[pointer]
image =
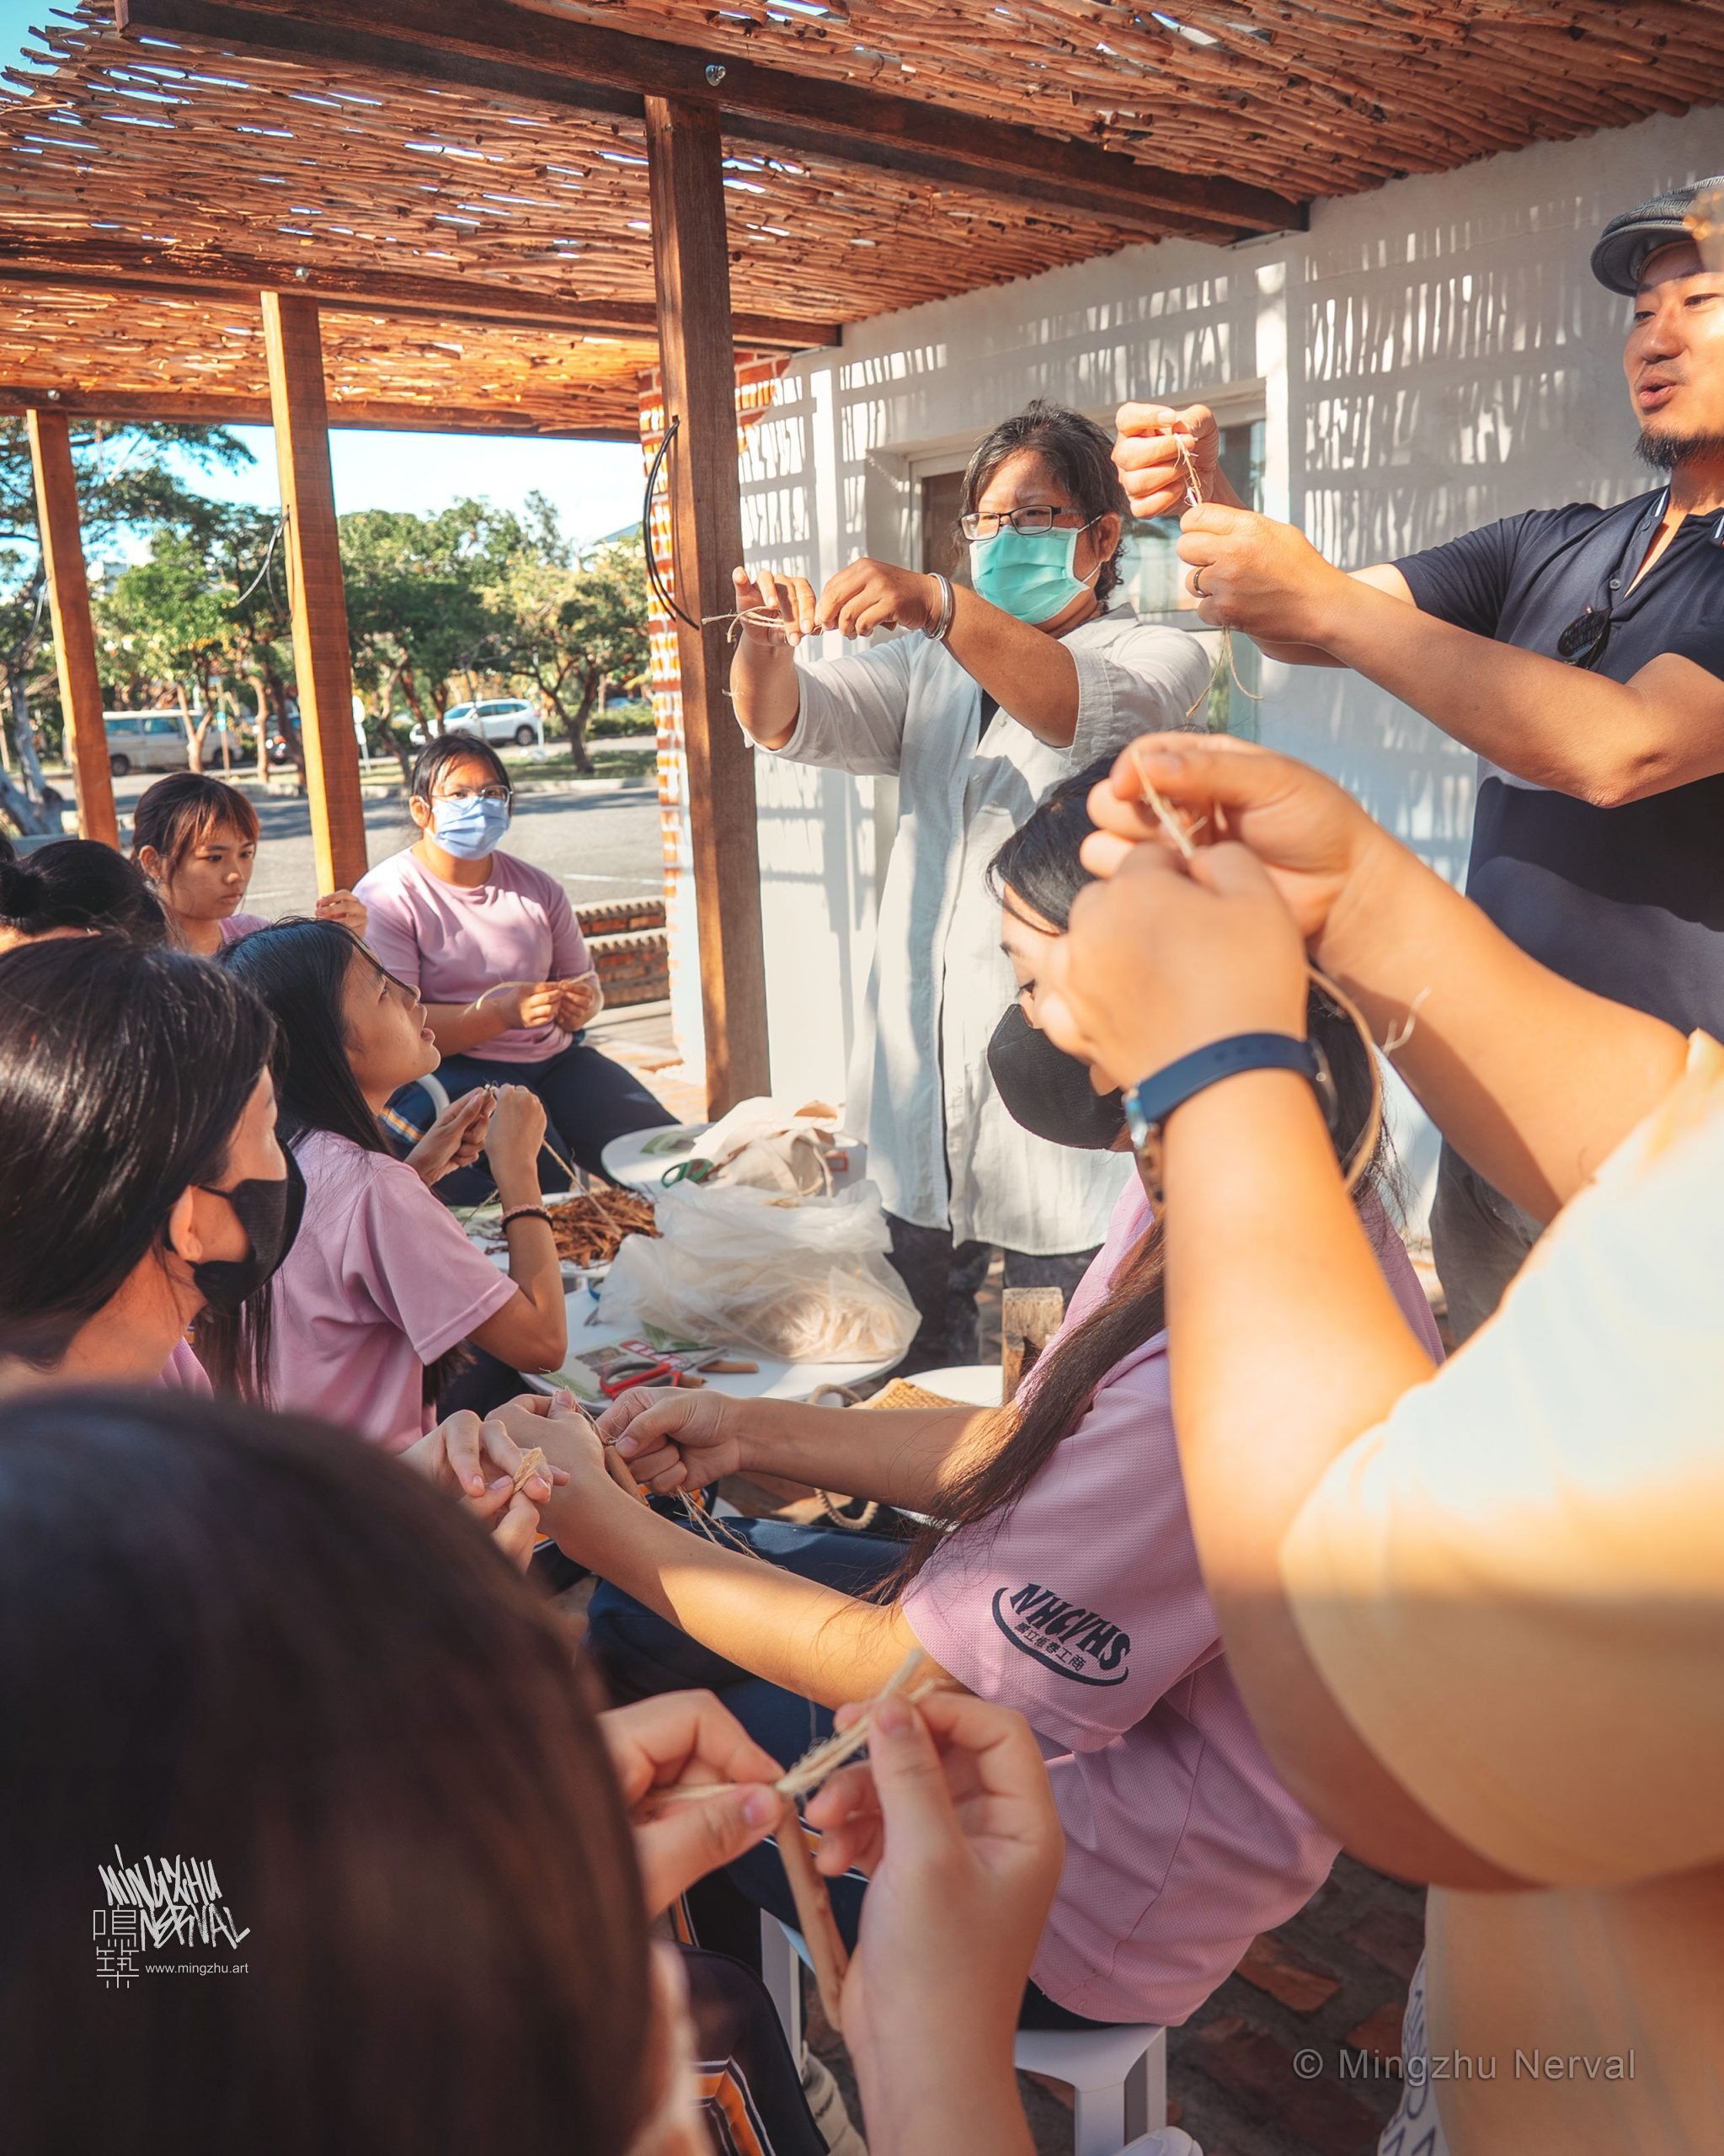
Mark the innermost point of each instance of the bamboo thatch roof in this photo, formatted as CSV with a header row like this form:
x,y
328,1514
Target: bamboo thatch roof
x,y
485,255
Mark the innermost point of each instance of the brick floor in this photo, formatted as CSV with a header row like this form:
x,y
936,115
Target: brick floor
x,y
1231,2079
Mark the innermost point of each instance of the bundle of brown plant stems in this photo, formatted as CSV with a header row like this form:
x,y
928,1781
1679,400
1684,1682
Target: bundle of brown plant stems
x,y
913,1679
589,1230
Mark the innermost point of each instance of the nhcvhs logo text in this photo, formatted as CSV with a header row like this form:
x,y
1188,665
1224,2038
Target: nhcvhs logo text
x,y
1064,1636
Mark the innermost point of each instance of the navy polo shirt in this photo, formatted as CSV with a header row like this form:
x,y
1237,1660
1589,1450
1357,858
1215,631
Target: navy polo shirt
x,y
1628,902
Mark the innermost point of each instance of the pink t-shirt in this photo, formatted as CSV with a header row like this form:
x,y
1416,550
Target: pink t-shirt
x,y
1085,1608
380,1282
451,944
184,1373
241,924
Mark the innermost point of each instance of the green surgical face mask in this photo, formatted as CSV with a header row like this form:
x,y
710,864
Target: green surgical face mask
x,y
1029,573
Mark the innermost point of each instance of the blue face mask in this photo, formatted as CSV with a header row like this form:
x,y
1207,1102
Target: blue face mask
x,y
470,829
1028,574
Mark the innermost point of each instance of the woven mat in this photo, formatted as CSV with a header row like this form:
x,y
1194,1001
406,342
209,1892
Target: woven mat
x,y
902,1393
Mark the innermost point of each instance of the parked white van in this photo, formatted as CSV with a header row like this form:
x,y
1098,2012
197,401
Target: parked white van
x,y
144,741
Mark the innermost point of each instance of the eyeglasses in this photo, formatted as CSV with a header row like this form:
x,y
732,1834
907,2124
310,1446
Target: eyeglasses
x,y
505,794
1582,643
985,523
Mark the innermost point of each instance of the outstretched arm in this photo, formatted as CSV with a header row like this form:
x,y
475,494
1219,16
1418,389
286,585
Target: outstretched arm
x,y
1602,741
808,1638
673,1440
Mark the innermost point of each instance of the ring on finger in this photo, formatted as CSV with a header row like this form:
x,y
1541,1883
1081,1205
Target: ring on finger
x,y
1197,585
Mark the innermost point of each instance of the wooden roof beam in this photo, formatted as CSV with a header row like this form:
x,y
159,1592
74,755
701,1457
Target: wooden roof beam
x,y
211,408
186,273
552,59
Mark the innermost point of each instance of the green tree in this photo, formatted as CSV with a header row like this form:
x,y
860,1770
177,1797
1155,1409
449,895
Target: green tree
x,y
572,621
128,476
201,614
417,611
162,622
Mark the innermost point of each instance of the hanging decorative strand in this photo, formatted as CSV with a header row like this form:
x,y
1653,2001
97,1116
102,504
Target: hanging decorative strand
x,y
739,618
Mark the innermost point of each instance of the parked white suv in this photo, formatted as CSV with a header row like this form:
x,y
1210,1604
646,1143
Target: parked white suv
x,y
144,741
498,719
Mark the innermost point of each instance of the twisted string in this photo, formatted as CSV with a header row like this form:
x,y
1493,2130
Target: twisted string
x,y
1181,835
1194,488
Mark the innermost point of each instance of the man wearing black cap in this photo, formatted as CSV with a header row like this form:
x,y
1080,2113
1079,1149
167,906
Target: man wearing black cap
x,y
1579,650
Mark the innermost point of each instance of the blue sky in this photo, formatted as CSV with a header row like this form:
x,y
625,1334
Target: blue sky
x,y
596,486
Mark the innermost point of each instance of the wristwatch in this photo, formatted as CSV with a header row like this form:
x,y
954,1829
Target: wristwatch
x,y
1150,1102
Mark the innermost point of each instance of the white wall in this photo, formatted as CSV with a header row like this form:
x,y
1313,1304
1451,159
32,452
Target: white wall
x,y
1432,355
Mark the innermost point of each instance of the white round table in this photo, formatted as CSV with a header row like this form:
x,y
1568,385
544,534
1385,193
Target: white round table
x,y
639,1158
773,1380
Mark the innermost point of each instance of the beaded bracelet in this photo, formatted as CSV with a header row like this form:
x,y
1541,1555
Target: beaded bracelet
x,y
527,1213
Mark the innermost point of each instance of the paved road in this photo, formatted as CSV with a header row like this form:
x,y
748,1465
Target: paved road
x,y
602,844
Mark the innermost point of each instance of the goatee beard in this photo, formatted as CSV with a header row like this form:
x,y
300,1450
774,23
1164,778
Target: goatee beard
x,y
1670,452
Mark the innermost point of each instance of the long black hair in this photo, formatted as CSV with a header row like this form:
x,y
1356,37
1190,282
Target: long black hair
x,y
245,1642
1077,453
124,1073
78,883
298,970
1038,865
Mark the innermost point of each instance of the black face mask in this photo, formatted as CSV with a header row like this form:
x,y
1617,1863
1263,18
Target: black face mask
x,y
269,1211
1049,1092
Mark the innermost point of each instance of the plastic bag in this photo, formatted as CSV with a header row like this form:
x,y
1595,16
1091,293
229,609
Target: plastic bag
x,y
802,1278
765,1144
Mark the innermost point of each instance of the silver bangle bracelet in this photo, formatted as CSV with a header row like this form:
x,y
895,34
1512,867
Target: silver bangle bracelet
x,y
948,600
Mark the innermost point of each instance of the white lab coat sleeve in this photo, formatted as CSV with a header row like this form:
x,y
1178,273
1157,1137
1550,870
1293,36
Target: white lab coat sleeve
x,y
852,711
1145,681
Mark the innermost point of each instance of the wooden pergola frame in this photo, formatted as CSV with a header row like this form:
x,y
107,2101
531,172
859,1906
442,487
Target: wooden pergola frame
x,y
685,105
1069,144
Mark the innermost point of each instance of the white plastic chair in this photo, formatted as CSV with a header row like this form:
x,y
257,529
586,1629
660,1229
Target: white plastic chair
x,y
1118,2075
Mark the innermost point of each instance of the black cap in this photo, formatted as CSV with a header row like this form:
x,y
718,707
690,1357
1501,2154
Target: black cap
x,y
1627,240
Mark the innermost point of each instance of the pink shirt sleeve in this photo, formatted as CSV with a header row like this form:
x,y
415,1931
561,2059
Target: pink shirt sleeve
x,y
568,947
1084,1603
406,1254
391,936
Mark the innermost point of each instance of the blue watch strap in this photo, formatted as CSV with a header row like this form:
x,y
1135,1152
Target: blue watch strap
x,y
1152,1100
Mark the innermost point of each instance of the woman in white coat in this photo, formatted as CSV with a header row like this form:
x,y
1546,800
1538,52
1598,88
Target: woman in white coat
x,y
1010,687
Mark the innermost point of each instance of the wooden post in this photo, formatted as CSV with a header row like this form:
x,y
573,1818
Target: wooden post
x,y
74,634
690,268
322,661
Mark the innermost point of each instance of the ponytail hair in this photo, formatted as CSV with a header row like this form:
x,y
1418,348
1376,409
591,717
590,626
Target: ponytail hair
x,y
74,883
